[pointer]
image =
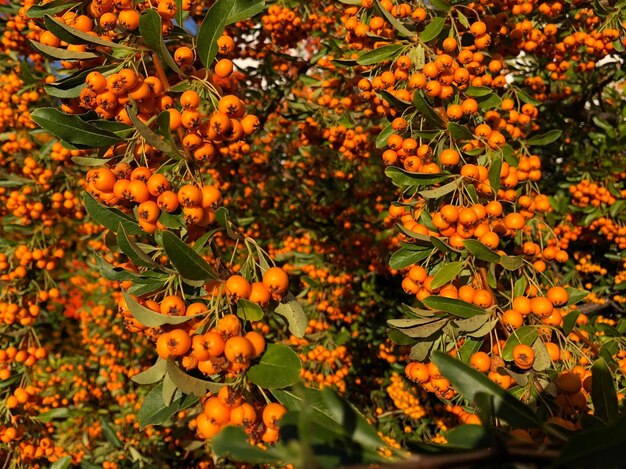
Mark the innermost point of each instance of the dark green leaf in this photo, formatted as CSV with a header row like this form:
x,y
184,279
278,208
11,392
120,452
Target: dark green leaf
x,y
432,30
232,444
446,274
110,218
384,134
470,383
74,36
350,420
109,434
65,461
480,251
459,132
62,54
569,321
575,295
133,251
150,318
511,262
425,110
153,410
153,139
478,91
458,308
248,310
244,9
73,129
468,437
524,335
378,55
405,257
50,8
402,178
398,26
211,29
545,139
279,367
494,174
603,447
150,26
603,394
188,384
187,262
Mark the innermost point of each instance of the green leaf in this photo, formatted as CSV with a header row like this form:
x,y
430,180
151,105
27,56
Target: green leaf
x,y
469,347
384,134
221,217
512,263
232,444
244,9
603,394
74,36
188,384
395,102
279,367
350,420
378,55
153,139
153,410
110,218
494,174
569,321
62,54
50,8
470,383
489,101
468,437
446,274
297,397
542,356
459,132
211,29
152,374
187,262
440,191
150,318
420,351
150,28
70,87
405,257
478,91
458,308
602,447
398,26
575,295
422,330
545,139
432,30
133,251
524,335
425,110
248,310
73,129
292,311
401,178
480,251
109,434
65,461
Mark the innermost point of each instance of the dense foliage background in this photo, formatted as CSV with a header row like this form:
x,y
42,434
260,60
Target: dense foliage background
x,y
315,234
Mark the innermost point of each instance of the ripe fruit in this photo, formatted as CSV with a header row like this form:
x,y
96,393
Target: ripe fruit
x,y
523,356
